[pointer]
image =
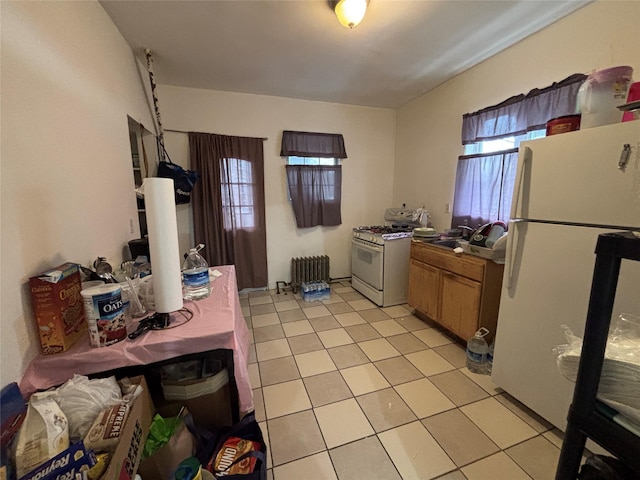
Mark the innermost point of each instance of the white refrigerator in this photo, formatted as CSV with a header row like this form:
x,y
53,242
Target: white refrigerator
x,y
569,189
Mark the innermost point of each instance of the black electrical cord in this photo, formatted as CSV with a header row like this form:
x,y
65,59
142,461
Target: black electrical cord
x,y
161,321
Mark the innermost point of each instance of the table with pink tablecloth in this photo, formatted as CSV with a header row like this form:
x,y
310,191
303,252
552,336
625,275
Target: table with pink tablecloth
x,y
217,323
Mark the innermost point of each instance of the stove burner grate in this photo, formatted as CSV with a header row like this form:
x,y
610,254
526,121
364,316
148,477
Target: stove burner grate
x,y
385,229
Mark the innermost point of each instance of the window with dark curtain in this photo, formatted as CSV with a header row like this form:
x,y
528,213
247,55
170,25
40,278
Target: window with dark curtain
x,y
485,179
315,193
228,204
315,190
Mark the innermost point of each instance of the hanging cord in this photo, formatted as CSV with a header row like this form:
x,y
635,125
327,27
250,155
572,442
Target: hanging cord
x,y
144,152
154,94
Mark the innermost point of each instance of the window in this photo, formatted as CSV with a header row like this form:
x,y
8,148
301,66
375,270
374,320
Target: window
x,y
293,160
237,186
315,193
329,182
491,146
501,144
314,176
228,204
486,172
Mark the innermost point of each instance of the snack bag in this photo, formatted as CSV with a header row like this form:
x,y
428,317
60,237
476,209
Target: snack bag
x,y
232,449
104,434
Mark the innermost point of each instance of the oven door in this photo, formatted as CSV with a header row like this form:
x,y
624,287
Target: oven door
x,y
367,262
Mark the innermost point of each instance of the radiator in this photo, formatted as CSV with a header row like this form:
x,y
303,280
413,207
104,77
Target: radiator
x,y
309,269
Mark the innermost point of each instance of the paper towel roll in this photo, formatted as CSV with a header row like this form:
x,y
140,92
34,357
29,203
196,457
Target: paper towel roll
x,y
159,200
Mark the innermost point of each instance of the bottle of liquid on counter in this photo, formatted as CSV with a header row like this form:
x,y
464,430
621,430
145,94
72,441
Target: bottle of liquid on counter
x,y
477,350
195,275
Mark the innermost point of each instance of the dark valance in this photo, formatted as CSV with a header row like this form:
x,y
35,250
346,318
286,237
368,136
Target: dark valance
x,y
307,144
523,113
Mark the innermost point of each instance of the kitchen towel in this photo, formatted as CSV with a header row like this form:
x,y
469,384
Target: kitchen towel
x,y
163,244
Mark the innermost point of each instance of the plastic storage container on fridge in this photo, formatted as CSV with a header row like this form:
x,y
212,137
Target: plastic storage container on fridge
x,y
601,94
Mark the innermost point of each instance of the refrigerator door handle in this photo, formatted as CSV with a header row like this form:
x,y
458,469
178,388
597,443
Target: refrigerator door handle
x,y
525,155
512,251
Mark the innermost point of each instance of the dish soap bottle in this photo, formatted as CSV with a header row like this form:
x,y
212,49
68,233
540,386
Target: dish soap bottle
x,y
477,350
195,275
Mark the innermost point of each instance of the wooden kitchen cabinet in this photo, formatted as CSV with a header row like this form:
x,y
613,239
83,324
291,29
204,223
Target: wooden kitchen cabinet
x,y
461,298
426,300
460,292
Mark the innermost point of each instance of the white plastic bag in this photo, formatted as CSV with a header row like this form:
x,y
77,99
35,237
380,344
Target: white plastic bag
x,y
82,400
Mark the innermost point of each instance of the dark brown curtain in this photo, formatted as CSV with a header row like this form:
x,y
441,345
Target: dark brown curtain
x,y
228,204
310,144
315,194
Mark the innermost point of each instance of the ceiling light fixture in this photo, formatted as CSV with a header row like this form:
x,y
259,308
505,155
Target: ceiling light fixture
x,y
350,12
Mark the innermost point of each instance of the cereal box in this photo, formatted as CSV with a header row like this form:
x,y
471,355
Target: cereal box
x,y
58,307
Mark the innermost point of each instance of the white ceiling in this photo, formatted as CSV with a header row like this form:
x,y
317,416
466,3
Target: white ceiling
x,y
297,49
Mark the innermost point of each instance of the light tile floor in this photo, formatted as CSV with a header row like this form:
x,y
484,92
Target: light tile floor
x,y
349,391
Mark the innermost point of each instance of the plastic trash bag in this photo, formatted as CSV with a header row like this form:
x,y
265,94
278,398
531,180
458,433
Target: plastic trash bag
x,y
82,400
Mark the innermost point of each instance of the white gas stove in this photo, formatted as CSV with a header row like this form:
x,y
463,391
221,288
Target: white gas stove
x,y
379,235
380,257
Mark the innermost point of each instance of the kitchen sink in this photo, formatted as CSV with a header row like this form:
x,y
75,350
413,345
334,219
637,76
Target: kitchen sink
x,y
446,243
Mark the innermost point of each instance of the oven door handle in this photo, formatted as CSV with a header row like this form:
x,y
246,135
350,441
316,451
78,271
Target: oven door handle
x,y
365,246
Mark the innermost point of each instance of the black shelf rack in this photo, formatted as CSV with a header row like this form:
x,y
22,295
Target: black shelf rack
x,y
585,419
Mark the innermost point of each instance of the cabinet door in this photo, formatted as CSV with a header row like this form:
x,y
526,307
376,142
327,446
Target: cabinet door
x,y
424,288
460,307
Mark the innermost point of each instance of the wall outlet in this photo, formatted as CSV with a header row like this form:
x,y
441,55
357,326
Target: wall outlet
x,y
447,207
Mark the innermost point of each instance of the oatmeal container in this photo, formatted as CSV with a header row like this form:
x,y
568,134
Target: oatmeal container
x,y
106,314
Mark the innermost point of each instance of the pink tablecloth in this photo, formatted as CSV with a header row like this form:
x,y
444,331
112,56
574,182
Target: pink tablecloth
x,y
217,323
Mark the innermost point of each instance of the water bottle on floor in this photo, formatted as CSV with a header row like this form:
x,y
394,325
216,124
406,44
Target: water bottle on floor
x,y
195,275
477,350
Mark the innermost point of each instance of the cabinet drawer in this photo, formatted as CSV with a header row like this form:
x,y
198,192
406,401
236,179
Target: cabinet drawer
x,y
462,264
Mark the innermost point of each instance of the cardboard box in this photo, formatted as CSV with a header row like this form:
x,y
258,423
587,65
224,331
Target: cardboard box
x,y
58,307
126,458
207,399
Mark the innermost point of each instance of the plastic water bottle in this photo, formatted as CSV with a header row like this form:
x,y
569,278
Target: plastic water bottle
x,y
477,350
195,275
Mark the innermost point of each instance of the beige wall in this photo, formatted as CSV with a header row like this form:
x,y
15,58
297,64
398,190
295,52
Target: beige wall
x,y
600,35
69,81
369,135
